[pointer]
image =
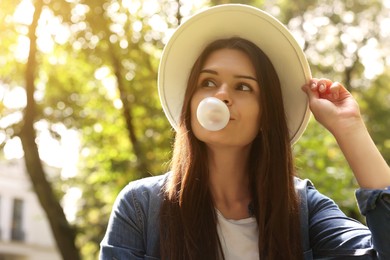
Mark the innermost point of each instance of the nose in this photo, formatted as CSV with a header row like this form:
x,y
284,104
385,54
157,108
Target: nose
x,y
224,94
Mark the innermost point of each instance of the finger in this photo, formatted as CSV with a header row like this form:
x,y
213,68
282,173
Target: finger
x,y
335,90
323,85
313,84
311,90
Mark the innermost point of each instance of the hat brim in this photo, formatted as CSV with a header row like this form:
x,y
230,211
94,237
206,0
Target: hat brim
x,y
225,21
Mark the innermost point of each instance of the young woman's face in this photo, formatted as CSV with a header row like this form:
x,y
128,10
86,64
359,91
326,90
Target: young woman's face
x,y
229,75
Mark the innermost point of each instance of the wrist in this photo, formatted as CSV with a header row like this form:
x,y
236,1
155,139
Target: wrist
x,y
352,128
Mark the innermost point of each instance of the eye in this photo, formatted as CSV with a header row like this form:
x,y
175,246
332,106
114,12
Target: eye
x,y
208,83
244,87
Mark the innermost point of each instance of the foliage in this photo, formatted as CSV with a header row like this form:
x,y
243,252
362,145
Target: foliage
x,y
97,76
319,159
375,107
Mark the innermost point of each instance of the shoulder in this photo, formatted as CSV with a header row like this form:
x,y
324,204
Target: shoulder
x,y
141,196
310,196
144,190
326,229
147,185
134,222
302,184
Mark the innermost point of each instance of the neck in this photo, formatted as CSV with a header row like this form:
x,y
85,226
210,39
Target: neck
x,y
229,181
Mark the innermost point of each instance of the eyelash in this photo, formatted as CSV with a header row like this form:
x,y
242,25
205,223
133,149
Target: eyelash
x,y
205,83
240,86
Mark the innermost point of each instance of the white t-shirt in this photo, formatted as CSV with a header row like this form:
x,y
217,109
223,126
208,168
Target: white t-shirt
x,y
239,238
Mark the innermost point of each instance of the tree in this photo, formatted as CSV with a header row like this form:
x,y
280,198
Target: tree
x,y
99,79
376,108
62,231
334,35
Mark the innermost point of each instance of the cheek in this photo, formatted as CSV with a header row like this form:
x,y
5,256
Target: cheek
x,y
249,108
253,116
258,117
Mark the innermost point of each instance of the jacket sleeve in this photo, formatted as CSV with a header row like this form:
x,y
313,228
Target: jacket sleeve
x,y
333,235
131,232
375,206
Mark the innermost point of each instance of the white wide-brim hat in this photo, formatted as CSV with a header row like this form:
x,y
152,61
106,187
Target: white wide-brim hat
x,y
230,20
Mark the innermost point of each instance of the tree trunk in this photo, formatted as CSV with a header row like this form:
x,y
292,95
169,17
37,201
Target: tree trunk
x,y
63,233
179,17
142,164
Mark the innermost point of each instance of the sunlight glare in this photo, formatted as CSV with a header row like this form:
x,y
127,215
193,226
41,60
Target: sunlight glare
x,y
158,24
24,12
371,59
22,49
62,153
132,6
13,149
70,146
49,27
150,7
3,137
102,72
11,119
69,202
45,41
80,10
118,103
104,75
15,98
137,26
385,27
2,91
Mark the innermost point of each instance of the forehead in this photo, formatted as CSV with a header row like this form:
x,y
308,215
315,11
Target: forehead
x,y
229,59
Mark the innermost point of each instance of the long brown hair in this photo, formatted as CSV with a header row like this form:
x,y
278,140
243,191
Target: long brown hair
x,y
187,218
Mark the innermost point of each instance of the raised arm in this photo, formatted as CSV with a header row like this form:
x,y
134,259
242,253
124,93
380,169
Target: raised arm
x,y
336,109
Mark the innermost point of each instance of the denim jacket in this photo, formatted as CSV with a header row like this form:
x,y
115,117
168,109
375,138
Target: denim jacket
x,y
133,228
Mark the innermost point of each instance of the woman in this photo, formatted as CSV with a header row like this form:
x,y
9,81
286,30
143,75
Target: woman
x,y
231,193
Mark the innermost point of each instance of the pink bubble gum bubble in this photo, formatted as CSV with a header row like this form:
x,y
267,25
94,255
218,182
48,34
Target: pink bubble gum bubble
x,y
213,114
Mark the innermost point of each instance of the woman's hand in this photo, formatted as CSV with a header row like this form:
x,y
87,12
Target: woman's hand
x,y
333,106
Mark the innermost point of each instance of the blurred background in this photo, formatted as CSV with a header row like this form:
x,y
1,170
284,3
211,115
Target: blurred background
x,y
80,115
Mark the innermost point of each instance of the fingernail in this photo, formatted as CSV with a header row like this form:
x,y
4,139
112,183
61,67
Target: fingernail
x,y
321,87
313,85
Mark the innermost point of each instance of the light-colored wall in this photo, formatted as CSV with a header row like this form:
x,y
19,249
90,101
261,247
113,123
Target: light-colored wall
x,y
38,240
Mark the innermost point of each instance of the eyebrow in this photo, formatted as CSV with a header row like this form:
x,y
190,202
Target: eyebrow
x,y
235,76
